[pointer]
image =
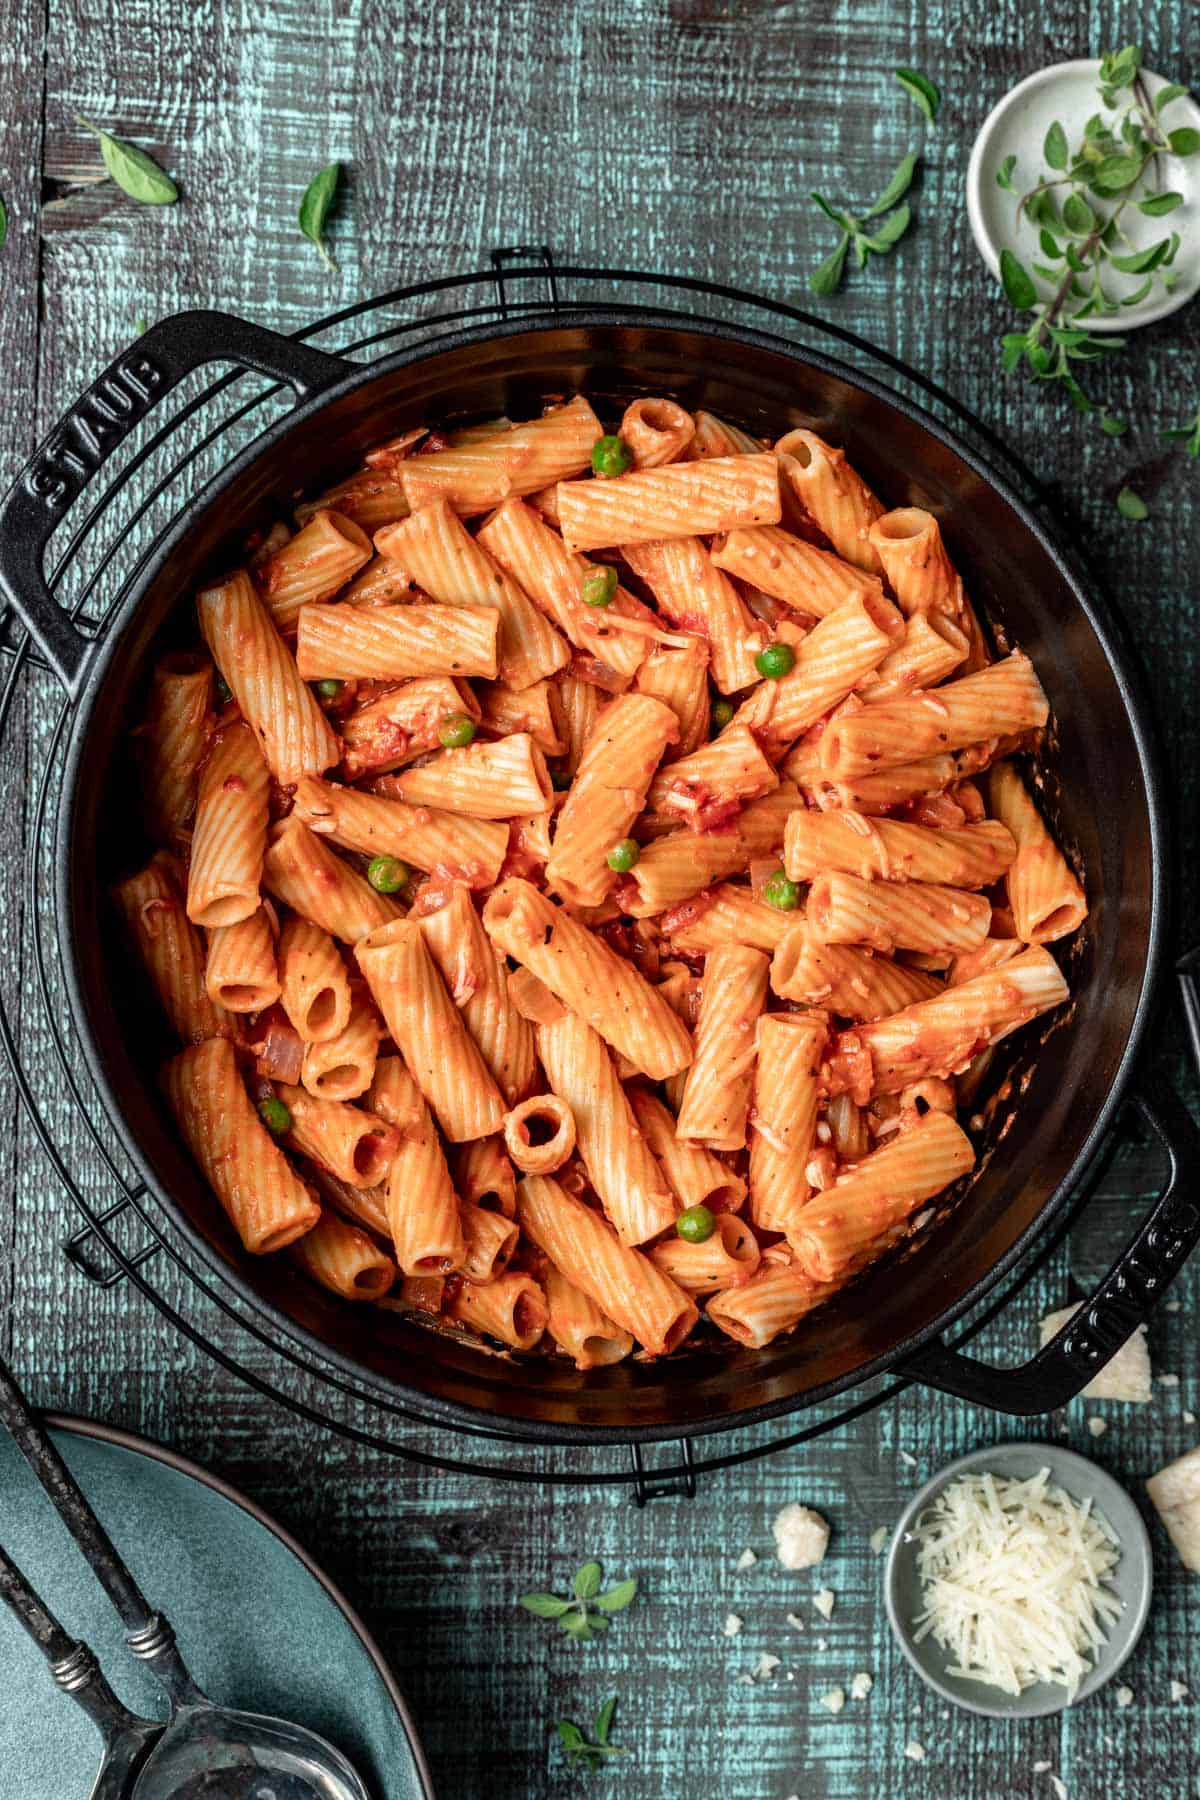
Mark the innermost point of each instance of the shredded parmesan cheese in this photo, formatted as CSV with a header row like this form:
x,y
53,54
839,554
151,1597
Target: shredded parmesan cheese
x,y
746,1560
1013,1580
915,1752
861,1685
823,1600
877,1540
834,1700
1125,1376
732,1625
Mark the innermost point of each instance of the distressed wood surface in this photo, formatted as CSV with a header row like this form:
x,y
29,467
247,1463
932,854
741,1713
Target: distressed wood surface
x,y
683,136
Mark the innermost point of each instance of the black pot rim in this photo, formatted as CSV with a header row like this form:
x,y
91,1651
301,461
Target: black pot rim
x,y
395,1394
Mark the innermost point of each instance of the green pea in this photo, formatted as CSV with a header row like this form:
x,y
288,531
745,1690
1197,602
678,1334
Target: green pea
x,y
610,456
456,730
722,712
775,660
695,1225
386,874
623,856
329,689
275,1116
599,586
781,893
222,692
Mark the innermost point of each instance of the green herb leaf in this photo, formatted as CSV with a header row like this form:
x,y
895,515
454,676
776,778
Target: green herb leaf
x,y
891,229
619,1597
1139,293
604,1719
1004,174
1049,243
571,1735
1012,349
1040,360
1055,148
834,212
1188,435
900,183
314,208
1116,173
1131,505
922,91
587,1581
1169,258
3,223
1017,281
1185,141
1077,215
828,278
1158,204
135,173
1119,67
1174,90
862,249
544,1606
140,326
1112,427
1141,261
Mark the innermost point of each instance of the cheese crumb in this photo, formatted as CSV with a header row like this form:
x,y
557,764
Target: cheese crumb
x,y
766,1665
732,1625
822,1644
834,1700
795,1621
823,1600
746,1560
915,1752
801,1536
1041,1768
909,1461
1173,1306
1124,1696
1168,1381
861,1685
1125,1376
1097,1426
1189,1417
1059,1786
745,1679
1178,1691
877,1540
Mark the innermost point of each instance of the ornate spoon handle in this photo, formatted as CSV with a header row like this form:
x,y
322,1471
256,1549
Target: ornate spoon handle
x,y
147,1632
72,1663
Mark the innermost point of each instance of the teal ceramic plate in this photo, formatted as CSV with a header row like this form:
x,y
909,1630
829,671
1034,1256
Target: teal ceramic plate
x,y
260,1625
1131,1579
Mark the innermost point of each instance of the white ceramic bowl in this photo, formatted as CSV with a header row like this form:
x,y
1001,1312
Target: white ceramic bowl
x,y
1018,125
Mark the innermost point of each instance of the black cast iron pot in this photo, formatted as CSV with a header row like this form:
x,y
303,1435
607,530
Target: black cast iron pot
x,y
1067,1079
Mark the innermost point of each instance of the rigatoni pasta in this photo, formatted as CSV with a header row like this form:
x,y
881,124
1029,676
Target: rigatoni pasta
x,y
654,836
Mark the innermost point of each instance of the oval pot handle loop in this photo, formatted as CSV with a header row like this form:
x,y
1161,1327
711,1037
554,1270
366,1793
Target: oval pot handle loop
x,y
86,436
1123,1301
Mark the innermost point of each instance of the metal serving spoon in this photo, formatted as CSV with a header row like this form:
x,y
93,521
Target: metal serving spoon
x,y
204,1751
127,1739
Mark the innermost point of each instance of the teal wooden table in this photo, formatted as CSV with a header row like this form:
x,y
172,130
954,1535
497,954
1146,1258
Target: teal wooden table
x,y
683,136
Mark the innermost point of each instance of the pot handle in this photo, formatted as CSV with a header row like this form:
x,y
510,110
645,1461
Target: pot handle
x,y
86,436
1123,1301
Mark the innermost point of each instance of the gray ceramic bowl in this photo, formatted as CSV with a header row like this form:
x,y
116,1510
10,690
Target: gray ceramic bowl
x,y
1131,1579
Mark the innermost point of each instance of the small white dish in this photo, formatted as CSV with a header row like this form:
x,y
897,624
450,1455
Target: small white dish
x,y
1131,1579
1070,92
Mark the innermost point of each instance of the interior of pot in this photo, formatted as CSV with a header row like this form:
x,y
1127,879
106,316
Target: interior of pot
x,y
1095,788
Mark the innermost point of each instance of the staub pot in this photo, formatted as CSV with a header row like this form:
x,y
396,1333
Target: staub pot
x,y
1058,1087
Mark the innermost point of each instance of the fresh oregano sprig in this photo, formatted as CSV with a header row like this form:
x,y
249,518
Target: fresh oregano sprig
x,y
591,1754
1078,208
857,231
587,1611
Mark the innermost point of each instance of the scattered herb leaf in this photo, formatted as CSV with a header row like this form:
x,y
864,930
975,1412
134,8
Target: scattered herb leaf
x,y
857,231
1017,281
1188,435
1055,148
585,1613
314,208
135,173
591,1754
827,279
1004,174
1131,505
922,91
